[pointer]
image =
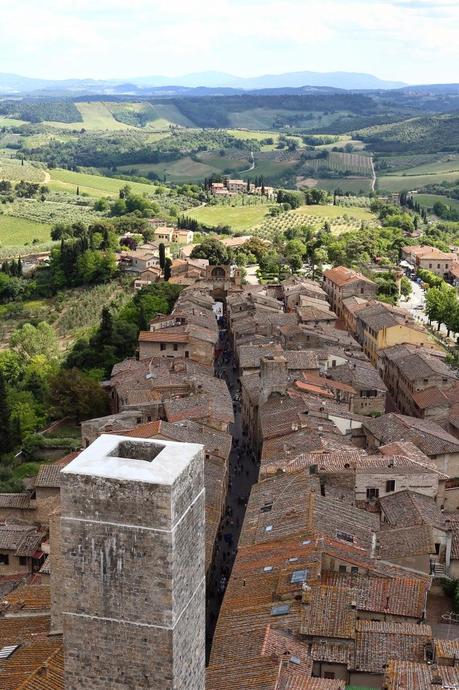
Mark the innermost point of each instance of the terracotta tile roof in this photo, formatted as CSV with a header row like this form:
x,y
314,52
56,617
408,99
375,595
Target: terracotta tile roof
x,y
377,642
418,363
21,501
26,598
397,596
281,644
341,652
309,313
330,613
49,675
361,376
433,253
407,508
326,383
24,540
29,657
404,675
355,556
400,542
164,335
447,649
350,461
301,359
49,475
16,629
340,275
428,436
263,673
147,430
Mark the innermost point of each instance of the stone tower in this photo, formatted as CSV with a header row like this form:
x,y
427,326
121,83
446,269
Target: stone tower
x,y
132,536
273,376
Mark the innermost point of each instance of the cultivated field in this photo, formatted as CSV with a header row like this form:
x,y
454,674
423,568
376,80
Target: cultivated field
x,y
19,231
50,212
96,116
102,116
356,185
11,169
94,185
183,170
257,219
237,217
340,220
342,162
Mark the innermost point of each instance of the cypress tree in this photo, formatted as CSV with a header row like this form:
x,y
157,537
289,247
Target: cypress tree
x,y
162,256
6,441
167,269
106,326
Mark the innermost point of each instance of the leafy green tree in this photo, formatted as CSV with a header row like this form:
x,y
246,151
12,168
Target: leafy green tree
x,y
29,341
75,394
213,250
405,287
11,367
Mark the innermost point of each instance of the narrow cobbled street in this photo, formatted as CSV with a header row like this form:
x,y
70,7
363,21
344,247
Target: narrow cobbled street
x,y
243,472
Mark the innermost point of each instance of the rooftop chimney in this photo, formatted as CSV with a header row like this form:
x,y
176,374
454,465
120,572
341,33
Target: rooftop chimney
x,y
132,535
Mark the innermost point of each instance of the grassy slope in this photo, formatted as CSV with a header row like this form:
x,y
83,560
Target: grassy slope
x,y
238,217
397,183
10,122
94,185
336,212
429,200
17,231
245,217
98,115
183,170
11,169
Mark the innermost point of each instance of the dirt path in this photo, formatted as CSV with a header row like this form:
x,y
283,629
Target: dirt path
x,y
251,167
373,173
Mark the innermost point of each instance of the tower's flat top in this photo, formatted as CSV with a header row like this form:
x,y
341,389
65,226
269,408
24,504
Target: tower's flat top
x,y
131,459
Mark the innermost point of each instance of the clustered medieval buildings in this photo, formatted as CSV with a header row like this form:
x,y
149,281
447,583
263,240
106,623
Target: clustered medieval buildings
x,y
351,413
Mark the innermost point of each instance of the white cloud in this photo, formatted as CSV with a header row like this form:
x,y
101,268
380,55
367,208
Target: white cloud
x,y
415,40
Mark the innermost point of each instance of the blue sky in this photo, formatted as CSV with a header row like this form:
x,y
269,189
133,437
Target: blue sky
x,y
416,41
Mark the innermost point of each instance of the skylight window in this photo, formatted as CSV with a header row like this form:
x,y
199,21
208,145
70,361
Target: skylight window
x,y
345,536
299,576
267,569
268,528
280,610
7,651
295,660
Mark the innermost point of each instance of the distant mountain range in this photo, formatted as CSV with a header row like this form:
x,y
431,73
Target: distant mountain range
x,y
11,84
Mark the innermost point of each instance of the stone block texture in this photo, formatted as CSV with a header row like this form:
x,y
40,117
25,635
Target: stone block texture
x,y
133,568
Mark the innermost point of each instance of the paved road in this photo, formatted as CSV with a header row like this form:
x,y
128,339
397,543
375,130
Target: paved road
x,y
243,472
415,304
251,276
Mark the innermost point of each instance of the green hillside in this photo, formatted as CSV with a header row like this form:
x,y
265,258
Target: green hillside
x,y
421,134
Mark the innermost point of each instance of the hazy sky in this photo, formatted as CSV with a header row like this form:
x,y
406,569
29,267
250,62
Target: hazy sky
x,y
415,41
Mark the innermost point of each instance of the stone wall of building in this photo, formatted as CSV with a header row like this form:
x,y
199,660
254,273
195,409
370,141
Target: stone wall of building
x,y
133,551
